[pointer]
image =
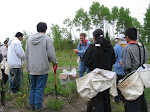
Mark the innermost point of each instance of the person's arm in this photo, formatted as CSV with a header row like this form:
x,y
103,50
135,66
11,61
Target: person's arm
x,y
26,56
1,57
87,58
51,51
19,50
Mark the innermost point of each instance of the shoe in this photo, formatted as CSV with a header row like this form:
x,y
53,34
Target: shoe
x,y
40,110
31,107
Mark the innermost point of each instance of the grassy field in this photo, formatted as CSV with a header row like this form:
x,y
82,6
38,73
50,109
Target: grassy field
x,y
68,93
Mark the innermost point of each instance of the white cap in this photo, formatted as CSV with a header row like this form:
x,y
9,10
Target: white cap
x,y
121,36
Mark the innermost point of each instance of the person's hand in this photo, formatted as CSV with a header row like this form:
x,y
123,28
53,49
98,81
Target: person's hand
x,y
55,68
121,63
76,51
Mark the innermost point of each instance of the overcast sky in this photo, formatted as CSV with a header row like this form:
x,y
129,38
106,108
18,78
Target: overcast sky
x,y
19,15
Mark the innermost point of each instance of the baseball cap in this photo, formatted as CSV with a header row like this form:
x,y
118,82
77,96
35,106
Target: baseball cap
x,y
121,36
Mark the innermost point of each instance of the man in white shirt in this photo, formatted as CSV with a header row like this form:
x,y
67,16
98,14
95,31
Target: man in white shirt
x,y
15,56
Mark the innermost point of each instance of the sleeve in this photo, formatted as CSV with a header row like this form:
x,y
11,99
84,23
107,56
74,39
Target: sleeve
x,y
116,51
51,51
26,56
126,57
81,52
1,57
146,54
113,56
88,59
19,50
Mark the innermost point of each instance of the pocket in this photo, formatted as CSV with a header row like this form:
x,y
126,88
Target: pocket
x,y
12,71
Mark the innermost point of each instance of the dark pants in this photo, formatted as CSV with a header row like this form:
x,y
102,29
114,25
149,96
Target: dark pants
x,y
138,105
119,97
5,76
100,103
15,79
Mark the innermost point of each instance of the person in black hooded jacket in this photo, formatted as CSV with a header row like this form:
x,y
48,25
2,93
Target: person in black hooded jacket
x,y
100,55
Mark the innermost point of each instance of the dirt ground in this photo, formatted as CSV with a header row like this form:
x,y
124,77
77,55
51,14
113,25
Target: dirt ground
x,y
79,106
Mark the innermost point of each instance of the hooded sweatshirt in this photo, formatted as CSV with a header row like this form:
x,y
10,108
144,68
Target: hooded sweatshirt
x,y
15,53
100,56
39,52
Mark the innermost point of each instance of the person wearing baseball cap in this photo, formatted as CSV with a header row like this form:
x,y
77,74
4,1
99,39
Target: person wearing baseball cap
x,y
117,67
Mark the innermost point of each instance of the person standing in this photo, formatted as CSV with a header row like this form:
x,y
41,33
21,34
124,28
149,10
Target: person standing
x,y
131,62
81,48
117,67
100,55
39,52
3,50
15,55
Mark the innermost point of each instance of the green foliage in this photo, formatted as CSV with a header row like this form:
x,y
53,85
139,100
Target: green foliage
x,y
147,25
124,20
107,36
82,20
54,104
25,38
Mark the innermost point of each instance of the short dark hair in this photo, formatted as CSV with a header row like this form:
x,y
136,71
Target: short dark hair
x,y
83,34
19,34
41,27
131,33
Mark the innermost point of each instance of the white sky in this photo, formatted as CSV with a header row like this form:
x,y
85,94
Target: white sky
x,y
19,15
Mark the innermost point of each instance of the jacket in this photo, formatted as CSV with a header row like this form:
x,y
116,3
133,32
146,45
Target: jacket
x,y
15,53
118,53
39,52
131,57
100,56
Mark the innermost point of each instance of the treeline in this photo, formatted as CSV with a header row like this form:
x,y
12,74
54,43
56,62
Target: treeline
x,y
114,21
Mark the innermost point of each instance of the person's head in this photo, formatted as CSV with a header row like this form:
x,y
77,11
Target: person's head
x,y
121,37
82,37
19,35
131,34
41,27
98,35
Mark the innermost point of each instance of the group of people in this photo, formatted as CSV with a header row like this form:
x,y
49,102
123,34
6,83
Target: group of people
x,y
39,52
124,56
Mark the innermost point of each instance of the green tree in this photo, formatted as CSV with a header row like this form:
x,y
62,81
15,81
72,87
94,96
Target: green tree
x,y
124,20
94,13
25,38
114,17
147,24
69,24
82,20
136,24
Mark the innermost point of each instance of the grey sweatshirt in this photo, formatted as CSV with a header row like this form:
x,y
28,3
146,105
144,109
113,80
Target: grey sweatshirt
x,y
131,57
39,52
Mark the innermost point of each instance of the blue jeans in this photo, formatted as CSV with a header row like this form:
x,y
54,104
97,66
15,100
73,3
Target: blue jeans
x,y
38,83
15,79
82,68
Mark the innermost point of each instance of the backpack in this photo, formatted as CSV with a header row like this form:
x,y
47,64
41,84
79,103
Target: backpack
x,y
85,43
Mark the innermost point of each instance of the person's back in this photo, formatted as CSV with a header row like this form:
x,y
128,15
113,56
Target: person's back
x,y
131,62
40,53
3,50
15,53
15,56
131,56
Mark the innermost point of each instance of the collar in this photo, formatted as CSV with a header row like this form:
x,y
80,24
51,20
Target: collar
x,y
132,42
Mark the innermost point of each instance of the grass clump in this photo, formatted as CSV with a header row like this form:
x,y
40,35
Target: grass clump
x,y
54,104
